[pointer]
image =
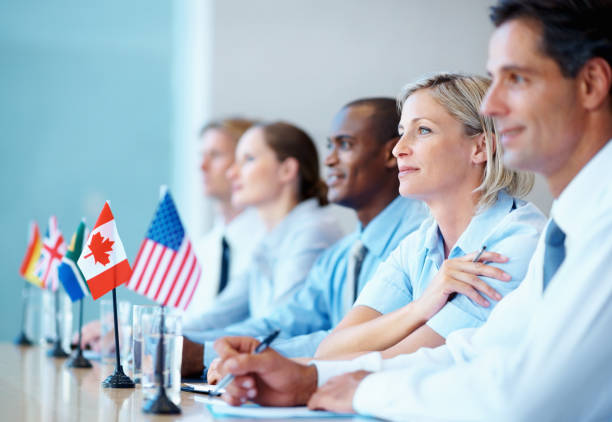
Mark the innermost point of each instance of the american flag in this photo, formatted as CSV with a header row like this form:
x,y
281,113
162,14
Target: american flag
x,y
53,249
166,269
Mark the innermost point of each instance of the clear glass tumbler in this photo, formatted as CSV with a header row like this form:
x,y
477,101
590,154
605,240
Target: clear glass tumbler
x,y
173,353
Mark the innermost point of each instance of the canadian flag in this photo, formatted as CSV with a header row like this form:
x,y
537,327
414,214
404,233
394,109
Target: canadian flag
x,y
103,261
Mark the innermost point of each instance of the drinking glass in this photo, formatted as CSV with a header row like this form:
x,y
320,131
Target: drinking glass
x,y
173,351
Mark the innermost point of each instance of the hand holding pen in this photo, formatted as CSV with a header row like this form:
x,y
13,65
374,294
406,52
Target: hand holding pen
x,y
265,377
260,348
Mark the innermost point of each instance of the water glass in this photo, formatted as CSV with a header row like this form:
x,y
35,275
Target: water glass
x,y
107,332
173,353
137,338
51,322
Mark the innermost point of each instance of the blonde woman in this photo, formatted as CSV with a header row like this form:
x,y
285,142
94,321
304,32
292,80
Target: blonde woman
x,y
448,156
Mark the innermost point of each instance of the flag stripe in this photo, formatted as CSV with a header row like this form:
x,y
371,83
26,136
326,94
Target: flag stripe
x,y
193,288
179,282
33,240
157,251
114,276
139,266
159,259
166,284
170,294
161,284
180,296
146,268
179,270
105,216
157,279
130,284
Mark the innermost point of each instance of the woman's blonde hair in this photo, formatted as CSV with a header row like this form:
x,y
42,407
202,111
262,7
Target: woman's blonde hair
x,y
461,96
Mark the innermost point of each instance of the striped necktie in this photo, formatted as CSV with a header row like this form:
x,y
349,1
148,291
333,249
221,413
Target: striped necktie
x,y
351,288
554,252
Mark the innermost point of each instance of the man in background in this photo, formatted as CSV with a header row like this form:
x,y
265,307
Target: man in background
x,y
361,175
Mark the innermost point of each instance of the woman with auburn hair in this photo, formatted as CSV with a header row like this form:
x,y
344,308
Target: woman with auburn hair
x,y
276,172
475,247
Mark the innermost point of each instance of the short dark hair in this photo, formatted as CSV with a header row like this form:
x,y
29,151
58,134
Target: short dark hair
x,y
573,31
385,116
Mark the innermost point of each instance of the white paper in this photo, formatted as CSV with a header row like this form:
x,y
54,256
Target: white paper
x,y
256,411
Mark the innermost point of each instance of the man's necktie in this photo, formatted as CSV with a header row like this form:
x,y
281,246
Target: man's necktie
x,y
225,258
355,260
554,252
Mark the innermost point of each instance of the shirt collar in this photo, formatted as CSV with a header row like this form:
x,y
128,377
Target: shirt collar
x,y
571,208
293,219
474,236
377,235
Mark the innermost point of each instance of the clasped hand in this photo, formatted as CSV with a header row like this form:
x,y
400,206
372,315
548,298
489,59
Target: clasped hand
x,y
460,275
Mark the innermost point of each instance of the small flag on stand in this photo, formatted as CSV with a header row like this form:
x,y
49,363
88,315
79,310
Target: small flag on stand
x,y
103,261
32,255
69,274
105,266
166,269
53,249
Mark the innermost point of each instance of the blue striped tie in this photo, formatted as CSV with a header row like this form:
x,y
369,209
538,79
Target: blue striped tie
x,y
554,253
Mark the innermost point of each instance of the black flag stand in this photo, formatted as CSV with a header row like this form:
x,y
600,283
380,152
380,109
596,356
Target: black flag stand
x,y
77,360
161,404
57,351
22,339
118,379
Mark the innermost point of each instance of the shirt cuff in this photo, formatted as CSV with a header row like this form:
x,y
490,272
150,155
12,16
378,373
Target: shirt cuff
x,y
452,318
366,398
327,369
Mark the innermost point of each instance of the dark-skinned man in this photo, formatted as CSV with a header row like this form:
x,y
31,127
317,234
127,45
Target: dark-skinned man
x,y
362,175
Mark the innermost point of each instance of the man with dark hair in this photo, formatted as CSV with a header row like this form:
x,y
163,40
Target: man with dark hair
x,y
361,175
544,353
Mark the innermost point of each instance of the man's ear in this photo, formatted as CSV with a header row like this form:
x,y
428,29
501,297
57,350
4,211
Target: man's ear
x,y
289,169
390,161
479,151
595,79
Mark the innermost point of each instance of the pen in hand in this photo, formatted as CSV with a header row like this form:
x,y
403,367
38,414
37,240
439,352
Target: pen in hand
x,y
479,254
229,377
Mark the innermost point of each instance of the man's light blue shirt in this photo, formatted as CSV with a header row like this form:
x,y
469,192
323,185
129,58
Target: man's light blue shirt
x,y
317,307
510,227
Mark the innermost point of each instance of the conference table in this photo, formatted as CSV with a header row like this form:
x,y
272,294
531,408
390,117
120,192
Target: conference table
x,y
34,387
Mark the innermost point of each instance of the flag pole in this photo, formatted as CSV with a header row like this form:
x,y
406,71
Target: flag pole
x,y
22,339
161,404
78,360
57,351
118,379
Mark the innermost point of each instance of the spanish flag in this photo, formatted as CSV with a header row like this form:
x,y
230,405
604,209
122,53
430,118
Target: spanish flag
x,y
31,256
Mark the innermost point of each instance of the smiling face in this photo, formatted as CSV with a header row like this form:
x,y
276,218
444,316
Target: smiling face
x,y
434,154
217,149
357,163
256,174
534,106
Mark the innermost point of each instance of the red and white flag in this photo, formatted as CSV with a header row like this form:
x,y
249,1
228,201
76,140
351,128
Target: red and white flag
x,y
53,249
166,269
103,261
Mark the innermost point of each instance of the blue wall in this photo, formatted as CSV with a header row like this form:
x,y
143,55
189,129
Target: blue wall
x,y
85,114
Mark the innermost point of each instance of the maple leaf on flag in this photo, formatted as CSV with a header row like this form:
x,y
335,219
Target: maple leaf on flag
x,y
100,248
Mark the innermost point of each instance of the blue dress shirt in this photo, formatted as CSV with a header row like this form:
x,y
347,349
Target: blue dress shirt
x,y
278,268
312,311
510,227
